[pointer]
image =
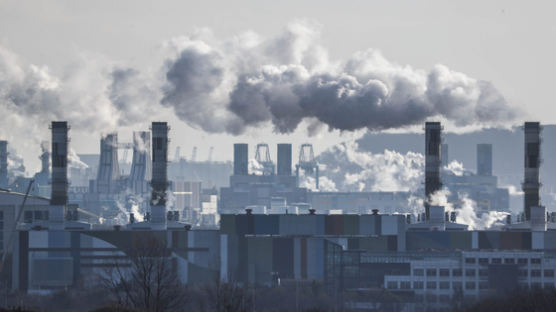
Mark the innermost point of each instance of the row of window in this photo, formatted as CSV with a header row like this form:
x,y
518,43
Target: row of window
x,y
433,285
473,272
485,261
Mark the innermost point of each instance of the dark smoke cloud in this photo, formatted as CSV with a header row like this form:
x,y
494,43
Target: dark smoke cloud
x,y
230,85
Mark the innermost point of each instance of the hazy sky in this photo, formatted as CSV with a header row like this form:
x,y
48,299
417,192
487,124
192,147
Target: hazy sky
x,y
509,43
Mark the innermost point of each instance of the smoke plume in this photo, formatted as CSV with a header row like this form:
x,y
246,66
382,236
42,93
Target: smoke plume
x,y
248,81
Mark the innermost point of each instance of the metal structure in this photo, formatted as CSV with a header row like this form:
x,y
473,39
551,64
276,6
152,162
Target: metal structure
x,y
241,162
159,182
433,141
284,159
307,162
141,163
108,169
484,159
532,158
262,156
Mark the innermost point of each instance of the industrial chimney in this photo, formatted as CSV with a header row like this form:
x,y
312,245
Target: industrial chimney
x,y
59,195
445,157
531,183
241,159
284,159
159,182
433,152
484,159
4,164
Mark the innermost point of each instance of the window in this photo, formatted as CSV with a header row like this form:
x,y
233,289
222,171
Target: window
x,y
483,260
522,273
535,260
469,285
392,285
456,272
457,285
470,272
444,272
483,272
522,261
535,285
405,285
431,285
431,272
535,273
418,272
28,216
418,285
469,260
444,285
509,261
483,285
548,273
496,260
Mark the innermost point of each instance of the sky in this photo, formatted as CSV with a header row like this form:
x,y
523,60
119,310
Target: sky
x,y
507,43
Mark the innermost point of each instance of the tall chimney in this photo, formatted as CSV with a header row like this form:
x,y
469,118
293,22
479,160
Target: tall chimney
x,y
284,159
159,182
484,159
433,140
59,197
531,182
241,159
109,168
4,164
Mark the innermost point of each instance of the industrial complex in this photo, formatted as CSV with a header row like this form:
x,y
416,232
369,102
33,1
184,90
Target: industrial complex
x,y
265,229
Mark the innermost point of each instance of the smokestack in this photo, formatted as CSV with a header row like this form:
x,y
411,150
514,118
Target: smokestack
x,y
284,159
241,159
59,195
109,168
433,140
159,182
4,164
445,156
484,159
531,183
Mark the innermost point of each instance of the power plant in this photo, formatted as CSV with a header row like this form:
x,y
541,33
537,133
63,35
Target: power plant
x,y
264,228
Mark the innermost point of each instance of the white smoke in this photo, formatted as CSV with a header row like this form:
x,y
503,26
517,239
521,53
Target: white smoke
x,y
455,168
16,166
352,169
467,212
254,167
249,81
74,161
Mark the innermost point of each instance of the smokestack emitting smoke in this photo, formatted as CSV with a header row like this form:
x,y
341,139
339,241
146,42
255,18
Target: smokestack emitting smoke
x,y
532,158
433,140
159,182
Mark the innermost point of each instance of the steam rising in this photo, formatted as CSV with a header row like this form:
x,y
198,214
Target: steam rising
x,y
248,81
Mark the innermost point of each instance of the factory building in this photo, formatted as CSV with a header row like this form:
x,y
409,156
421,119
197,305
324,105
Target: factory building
x,y
247,189
433,259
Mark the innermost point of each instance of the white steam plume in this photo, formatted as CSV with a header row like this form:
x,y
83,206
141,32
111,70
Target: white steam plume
x,y
230,85
467,213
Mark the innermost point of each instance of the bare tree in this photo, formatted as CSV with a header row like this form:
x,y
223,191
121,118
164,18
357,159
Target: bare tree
x,y
149,281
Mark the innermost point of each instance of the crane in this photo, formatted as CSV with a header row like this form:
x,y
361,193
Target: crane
x,y
11,238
